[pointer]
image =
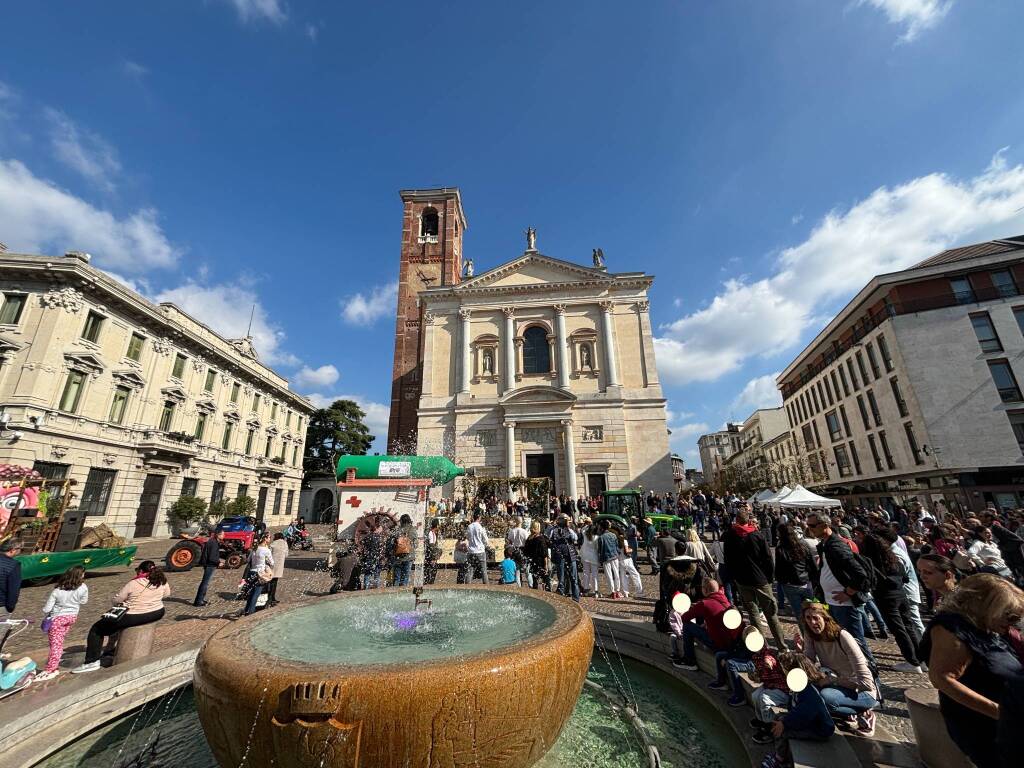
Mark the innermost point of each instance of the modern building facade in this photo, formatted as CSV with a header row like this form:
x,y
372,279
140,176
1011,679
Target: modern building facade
x,y
912,393
715,448
137,402
538,368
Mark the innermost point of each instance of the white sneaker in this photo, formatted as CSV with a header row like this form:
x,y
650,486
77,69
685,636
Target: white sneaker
x,y
91,667
906,666
47,675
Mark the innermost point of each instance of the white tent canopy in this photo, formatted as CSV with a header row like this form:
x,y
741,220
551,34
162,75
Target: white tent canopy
x,y
774,498
802,498
761,496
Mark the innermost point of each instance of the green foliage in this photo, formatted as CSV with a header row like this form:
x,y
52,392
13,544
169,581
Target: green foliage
x,y
332,432
188,510
243,506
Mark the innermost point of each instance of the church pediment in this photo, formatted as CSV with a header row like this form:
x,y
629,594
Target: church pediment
x,y
535,269
537,394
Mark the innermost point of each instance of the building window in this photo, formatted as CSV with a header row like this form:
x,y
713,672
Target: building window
x,y
217,494
986,332
853,375
288,420
72,394
55,474
821,391
93,325
179,365
1004,380
872,360
235,389
248,441
901,404
834,430
96,493
863,370
817,437
273,411
211,378
835,385
842,378
873,404
200,426
814,397
268,447
883,349
300,424
14,305
808,438
167,416
135,345
536,352
874,452
828,391
863,412
295,456
291,501
846,421
256,402
119,404
885,451
189,486
243,491
963,293
1004,283
1016,424
428,223
915,450
277,501
855,457
842,460
225,441
801,402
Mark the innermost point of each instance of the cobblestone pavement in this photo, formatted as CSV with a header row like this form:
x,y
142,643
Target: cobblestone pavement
x,y
184,623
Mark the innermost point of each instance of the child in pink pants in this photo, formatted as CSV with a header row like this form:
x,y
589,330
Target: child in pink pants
x,y
62,609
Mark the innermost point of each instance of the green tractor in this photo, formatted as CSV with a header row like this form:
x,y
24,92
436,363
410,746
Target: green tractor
x,y
628,504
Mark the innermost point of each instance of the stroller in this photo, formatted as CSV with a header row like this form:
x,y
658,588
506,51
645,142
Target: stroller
x,y
16,675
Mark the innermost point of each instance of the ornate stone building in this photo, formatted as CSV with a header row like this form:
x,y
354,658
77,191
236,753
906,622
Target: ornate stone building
x,y
543,368
139,403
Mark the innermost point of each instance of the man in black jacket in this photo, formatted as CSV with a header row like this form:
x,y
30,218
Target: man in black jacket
x,y
10,576
209,559
750,564
845,581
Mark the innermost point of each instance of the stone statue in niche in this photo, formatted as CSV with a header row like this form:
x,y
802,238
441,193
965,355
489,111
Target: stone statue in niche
x,y
488,362
467,268
586,357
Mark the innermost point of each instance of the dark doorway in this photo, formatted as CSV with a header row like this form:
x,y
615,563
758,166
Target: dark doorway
x,y
596,484
322,502
541,465
149,502
261,503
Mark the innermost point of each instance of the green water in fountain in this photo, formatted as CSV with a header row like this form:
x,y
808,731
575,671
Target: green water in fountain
x,y
384,628
689,733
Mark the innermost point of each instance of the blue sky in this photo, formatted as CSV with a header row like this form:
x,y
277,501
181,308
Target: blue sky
x,y
762,159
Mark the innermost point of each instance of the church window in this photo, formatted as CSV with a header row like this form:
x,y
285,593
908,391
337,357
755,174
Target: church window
x,y
536,352
428,223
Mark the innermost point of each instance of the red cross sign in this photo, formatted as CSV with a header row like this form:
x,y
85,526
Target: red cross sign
x,y
353,501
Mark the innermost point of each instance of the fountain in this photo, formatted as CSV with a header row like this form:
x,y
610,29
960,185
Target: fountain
x,y
482,676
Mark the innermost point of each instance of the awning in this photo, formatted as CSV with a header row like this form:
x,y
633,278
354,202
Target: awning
x,y
802,498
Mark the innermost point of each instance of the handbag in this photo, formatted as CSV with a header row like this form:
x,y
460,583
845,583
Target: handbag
x,y
265,575
115,612
46,623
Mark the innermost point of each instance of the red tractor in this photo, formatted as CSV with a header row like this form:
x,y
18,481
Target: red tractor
x,y
239,533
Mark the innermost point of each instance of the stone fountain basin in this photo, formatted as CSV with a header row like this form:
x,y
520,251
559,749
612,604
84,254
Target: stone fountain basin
x,y
502,708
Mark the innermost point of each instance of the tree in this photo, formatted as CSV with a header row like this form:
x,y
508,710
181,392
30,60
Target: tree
x,y
188,510
334,431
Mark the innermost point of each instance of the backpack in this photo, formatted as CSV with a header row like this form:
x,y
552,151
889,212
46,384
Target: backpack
x,y
402,545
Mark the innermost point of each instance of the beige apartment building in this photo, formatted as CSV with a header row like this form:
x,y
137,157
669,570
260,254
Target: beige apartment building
x,y
137,402
911,392
715,448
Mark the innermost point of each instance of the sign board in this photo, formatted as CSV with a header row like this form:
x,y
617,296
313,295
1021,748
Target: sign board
x,y
394,469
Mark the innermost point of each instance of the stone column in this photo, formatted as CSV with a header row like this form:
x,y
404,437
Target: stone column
x,y
608,335
509,348
570,457
647,366
465,370
563,351
427,384
510,448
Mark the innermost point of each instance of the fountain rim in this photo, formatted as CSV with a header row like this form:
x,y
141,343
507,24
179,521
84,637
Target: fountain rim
x,y
569,616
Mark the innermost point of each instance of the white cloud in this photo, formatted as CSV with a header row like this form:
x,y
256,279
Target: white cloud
x,y
37,216
313,31
324,376
377,415
134,70
915,16
82,151
260,10
684,433
891,229
366,309
226,309
760,392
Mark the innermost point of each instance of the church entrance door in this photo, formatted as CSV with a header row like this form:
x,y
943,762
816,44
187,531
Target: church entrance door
x,y
596,484
541,465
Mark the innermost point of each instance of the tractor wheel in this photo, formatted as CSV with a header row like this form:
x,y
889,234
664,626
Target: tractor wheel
x,y
182,556
235,560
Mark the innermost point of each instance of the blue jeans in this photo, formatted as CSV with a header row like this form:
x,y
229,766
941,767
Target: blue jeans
x,y
250,606
851,618
401,573
692,632
568,580
371,578
208,572
733,668
795,596
870,609
726,579
846,702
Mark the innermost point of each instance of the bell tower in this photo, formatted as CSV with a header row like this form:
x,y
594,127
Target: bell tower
x,y
432,227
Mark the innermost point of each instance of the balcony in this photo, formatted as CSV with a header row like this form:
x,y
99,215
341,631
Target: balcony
x,y
173,444
270,467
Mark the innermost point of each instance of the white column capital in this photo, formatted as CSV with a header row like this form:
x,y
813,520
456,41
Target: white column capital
x,y
567,423
643,306
508,424
606,306
559,309
465,313
508,311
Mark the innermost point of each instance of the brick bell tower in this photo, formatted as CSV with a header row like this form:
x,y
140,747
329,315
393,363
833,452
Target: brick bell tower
x,y
432,227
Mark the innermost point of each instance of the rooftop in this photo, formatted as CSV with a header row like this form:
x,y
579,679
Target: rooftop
x,y
987,248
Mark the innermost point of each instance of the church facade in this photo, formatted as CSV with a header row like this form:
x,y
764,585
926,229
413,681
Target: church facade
x,y
538,367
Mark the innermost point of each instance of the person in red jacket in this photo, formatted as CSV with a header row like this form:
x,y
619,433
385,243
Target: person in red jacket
x,y
712,632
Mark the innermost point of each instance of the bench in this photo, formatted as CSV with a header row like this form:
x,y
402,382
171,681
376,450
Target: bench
x,y
936,748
